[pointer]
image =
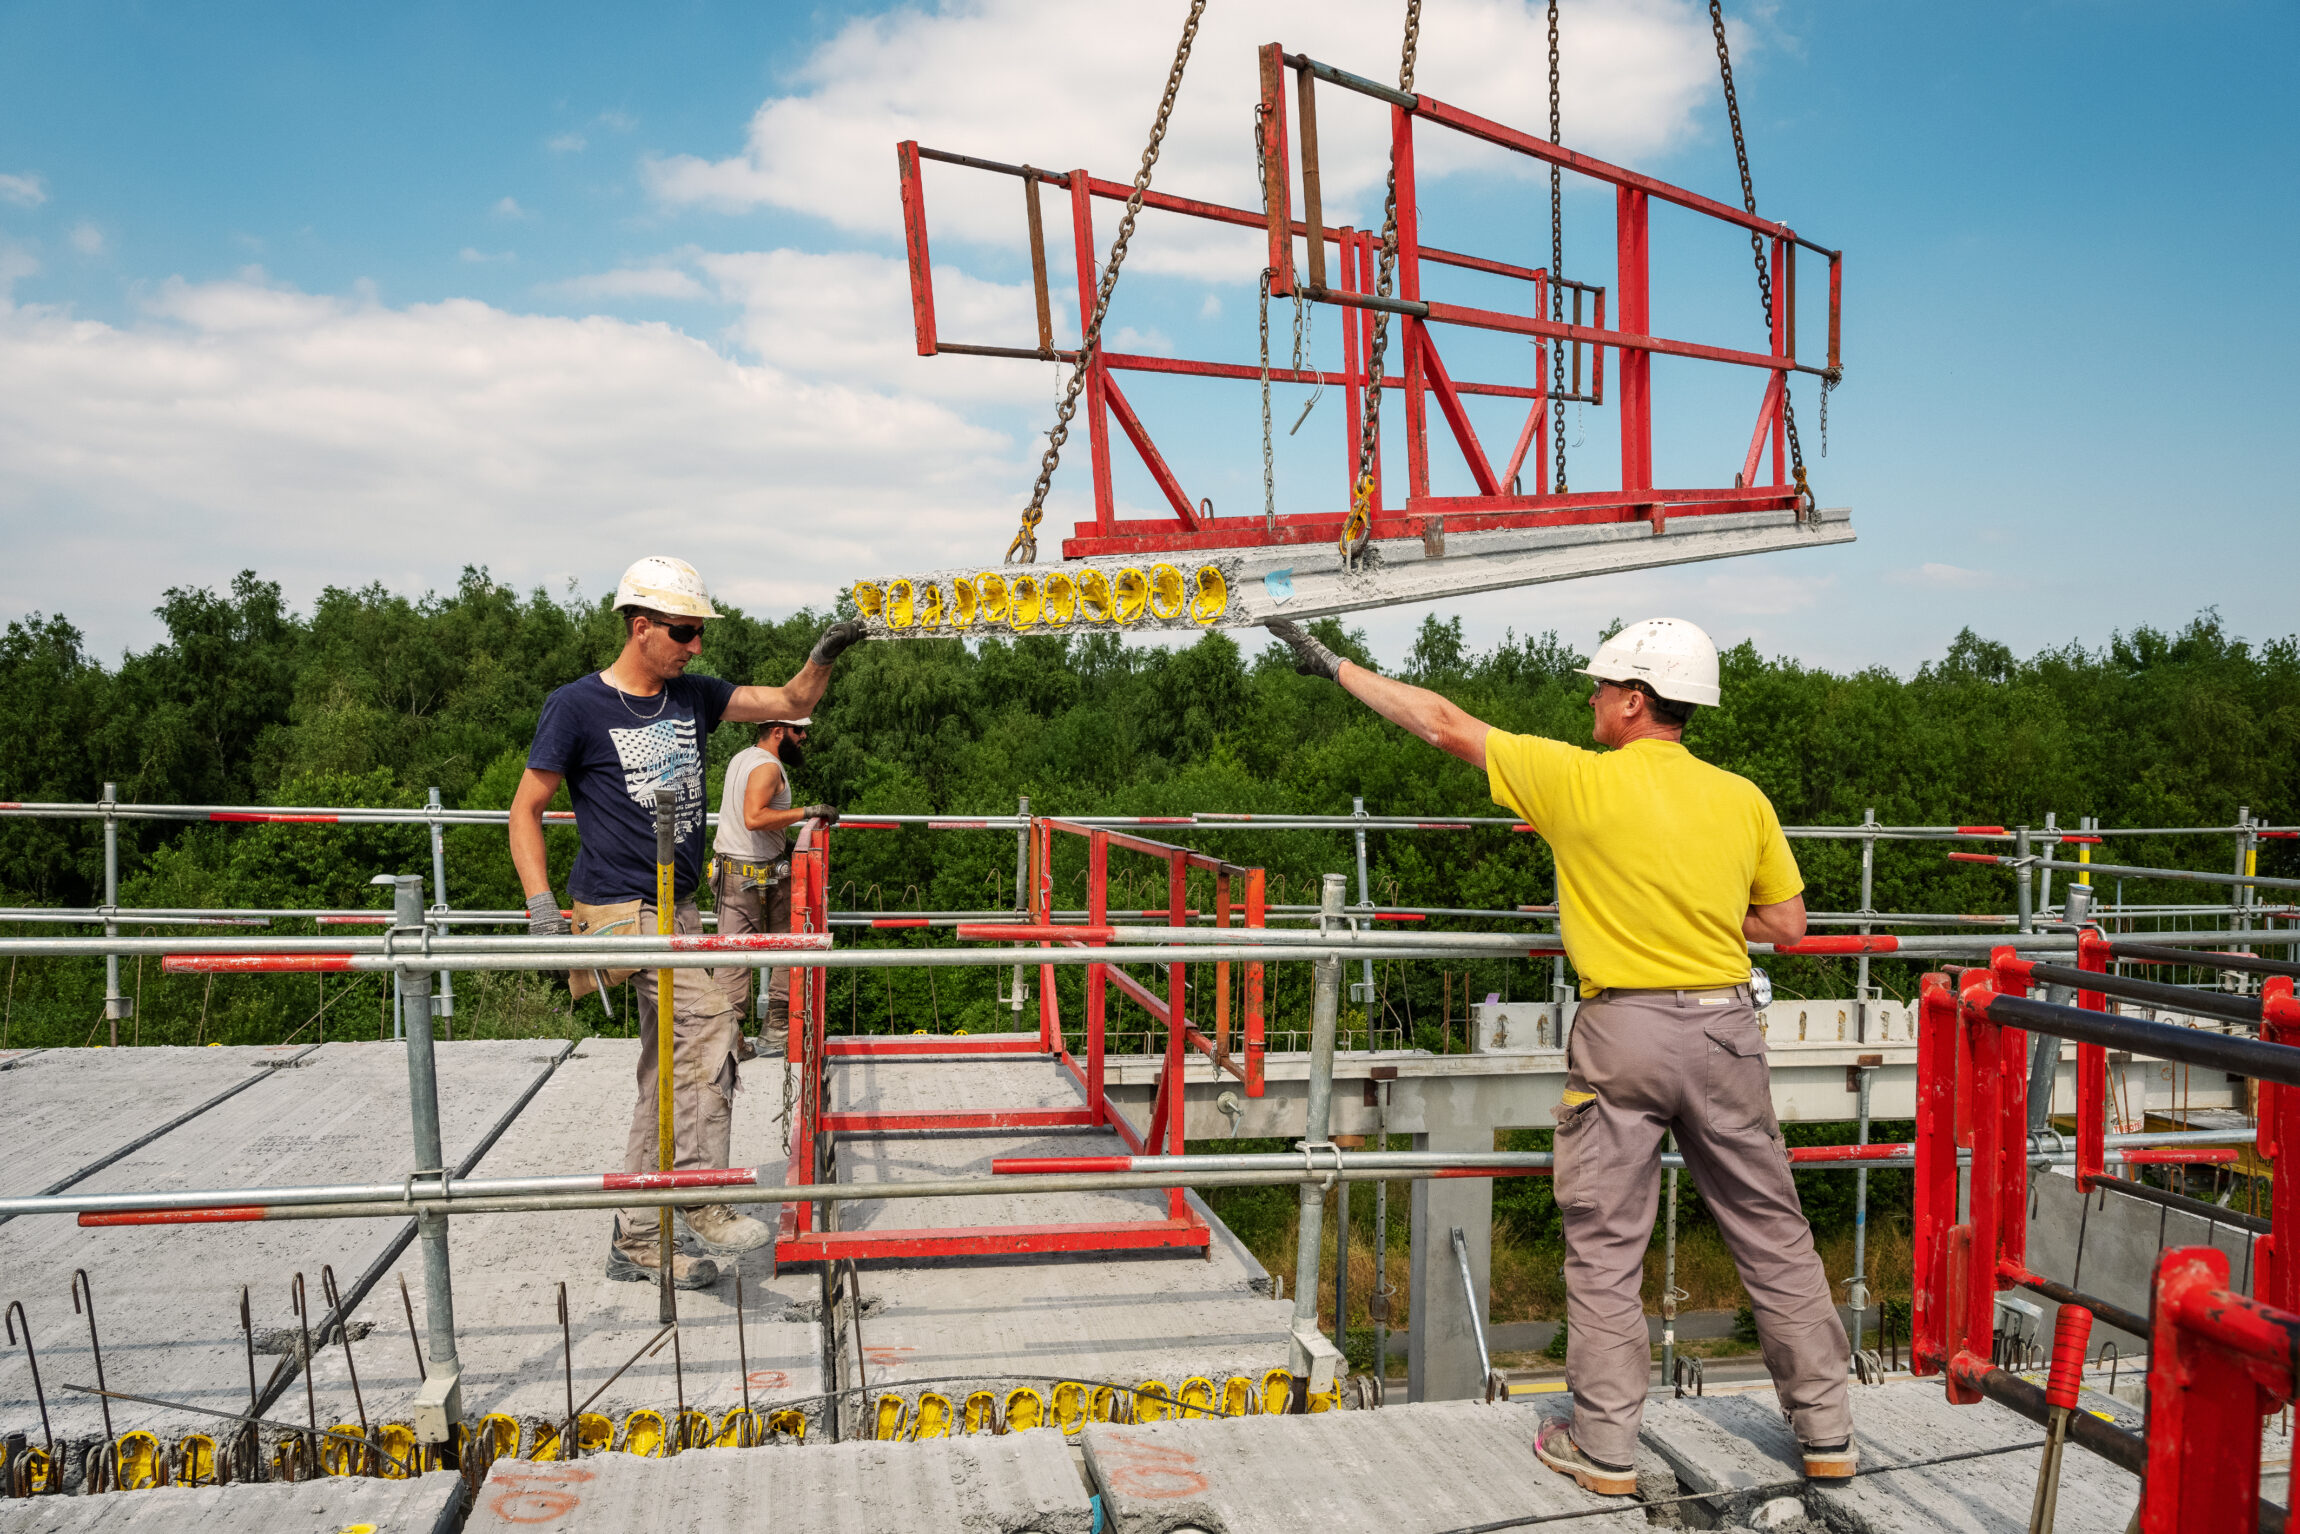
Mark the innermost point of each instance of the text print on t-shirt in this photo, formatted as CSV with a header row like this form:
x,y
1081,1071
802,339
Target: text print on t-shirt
x,y
663,755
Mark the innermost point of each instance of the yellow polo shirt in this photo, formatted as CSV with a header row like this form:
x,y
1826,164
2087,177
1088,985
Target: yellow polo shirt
x,y
1659,856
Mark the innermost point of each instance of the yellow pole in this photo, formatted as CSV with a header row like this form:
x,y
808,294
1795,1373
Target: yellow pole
x,y
666,820
2084,855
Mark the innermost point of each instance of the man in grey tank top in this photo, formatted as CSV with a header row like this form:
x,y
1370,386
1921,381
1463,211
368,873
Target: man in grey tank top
x,y
750,879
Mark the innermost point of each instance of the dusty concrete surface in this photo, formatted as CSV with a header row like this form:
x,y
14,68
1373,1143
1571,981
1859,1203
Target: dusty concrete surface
x,y
427,1505
507,1268
1400,1470
1020,1484
61,1109
1741,1446
1004,1323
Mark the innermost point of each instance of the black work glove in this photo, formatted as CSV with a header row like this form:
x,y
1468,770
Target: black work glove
x,y
543,918
836,639
828,814
1310,657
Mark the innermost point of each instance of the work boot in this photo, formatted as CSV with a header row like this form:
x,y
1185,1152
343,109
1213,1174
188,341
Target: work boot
x,y
775,1031
1553,1443
686,1272
1830,1461
744,1049
722,1230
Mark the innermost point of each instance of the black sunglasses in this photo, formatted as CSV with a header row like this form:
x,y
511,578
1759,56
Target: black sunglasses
x,y
680,633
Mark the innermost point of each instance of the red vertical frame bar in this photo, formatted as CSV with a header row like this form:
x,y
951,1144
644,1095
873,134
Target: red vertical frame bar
x,y
1936,1179
1983,1041
1097,408
1781,324
1177,1020
1049,1001
1634,262
2012,1159
803,1051
2279,1279
1255,917
1410,330
1222,971
1277,171
2206,1398
2091,1072
914,241
1097,988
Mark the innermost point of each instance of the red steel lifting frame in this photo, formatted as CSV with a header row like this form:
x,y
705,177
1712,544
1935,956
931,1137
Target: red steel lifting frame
x,y
810,1049
1418,372
2218,1361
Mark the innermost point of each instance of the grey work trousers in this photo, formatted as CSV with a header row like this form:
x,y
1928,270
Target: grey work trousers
x,y
704,1028
749,905
1692,1062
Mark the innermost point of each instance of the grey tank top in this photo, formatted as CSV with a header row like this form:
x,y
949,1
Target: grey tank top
x,y
735,839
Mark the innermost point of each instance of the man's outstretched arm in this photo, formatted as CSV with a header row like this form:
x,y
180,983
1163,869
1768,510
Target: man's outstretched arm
x,y
1434,718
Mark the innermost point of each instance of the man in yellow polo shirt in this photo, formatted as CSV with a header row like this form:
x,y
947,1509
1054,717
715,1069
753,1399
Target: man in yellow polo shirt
x,y
1667,869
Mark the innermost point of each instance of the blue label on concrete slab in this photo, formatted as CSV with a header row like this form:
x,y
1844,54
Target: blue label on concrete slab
x,y
1279,584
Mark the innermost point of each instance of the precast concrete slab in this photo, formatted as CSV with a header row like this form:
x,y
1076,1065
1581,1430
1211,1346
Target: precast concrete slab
x,y
507,1269
1926,1466
167,1297
1400,1470
1023,1483
429,1504
962,1324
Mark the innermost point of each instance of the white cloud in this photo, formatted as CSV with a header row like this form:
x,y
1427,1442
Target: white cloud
x,y
566,143
632,282
326,440
26,191
1210,308
478,257
509,208
16,261
620,121
1637,69
87,239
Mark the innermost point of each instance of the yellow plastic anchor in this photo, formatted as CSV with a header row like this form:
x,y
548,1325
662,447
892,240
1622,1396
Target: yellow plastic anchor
x,y
1025,603
1329,1400
899,596
740,1428
1061,599
1133,589
990,596
869,600
36,1468
981,1413
340,1457
1169,594
1095,603
645,1433
1069,1407
694,1429
893,1412
1197,1399
1277,1392
1025,1409
498,1438
932,1420
1153,1402
1238,1395
1213,598
397,1440
1103,1405
141,1463
962,604
790,1422
930,606
195,1460
543,1444
593,1432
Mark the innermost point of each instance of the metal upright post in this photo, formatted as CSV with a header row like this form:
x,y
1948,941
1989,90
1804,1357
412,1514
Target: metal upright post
x,y
116,1006
1378,1303
666,1047
1021,890
2247,865
1857,1291
2023,890
445,1005
439,1404
1325,1008
1363,991
1861,996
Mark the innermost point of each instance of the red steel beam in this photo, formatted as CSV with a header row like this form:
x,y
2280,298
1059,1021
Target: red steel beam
x,y
1152,459
1457,417
933,1044
996,1240
987,1118
914,242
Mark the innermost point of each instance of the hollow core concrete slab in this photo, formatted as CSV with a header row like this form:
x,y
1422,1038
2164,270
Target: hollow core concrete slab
x,y
427,1505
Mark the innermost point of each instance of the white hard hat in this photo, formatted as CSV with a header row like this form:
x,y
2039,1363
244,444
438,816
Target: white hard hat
x,y
666,586
797,724
1674,658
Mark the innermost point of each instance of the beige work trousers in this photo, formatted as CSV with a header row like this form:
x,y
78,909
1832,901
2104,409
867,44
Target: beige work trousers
x,y
746,905
704,1028
1692,1062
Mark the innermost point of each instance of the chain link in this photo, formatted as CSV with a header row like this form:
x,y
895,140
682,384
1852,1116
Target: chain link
x,y
1757,250
1556,257
1269,472
1357,529
1024,548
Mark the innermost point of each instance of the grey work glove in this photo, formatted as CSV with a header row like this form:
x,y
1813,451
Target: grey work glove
x,y
828,814
543,918
836,639
1310,657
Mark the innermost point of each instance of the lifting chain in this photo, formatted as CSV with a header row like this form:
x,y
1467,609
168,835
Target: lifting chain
x,y
1556,257
1024,548
1757,253
1357,529
1262,179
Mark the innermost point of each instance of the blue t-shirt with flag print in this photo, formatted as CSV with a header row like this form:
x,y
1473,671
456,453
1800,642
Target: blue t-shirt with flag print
x,y
615,750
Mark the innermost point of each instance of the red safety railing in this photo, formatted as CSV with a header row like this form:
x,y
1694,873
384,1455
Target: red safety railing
x,y
1553,320
2219,1361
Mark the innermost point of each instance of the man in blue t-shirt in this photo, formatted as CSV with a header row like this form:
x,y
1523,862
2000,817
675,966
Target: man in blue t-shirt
x,y
615,738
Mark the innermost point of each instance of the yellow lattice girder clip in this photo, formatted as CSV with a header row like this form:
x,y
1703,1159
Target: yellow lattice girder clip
x,y
593,1432
195,1460
1153,1402
1169,593
645,1433
1069,1406
990,593
543,1444
1237,1396
887,1424
141,1462
963,602
869,600
1133,590
1277,1392
497,1438
1102,1406
1197,1399
397,1440
981,1414
740,1428
932,1419
1025,1409
790,1422
1095,602
338,1456
1212,598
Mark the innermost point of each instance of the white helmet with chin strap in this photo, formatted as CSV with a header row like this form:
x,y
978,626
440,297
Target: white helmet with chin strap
x,y
1674,658
665,585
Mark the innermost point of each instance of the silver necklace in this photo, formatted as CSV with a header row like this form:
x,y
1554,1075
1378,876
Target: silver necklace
x,y
626,697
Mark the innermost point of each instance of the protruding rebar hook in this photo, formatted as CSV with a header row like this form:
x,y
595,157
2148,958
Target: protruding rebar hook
x,y
16,1313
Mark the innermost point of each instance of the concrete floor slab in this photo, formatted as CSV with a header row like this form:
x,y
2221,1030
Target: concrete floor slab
x,y
168,1298
1740,1445
1020,1484
61,1109
1002,1323
1401,1470
427,1505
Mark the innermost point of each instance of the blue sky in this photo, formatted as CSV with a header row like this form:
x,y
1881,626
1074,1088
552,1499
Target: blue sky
x,y
352,296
